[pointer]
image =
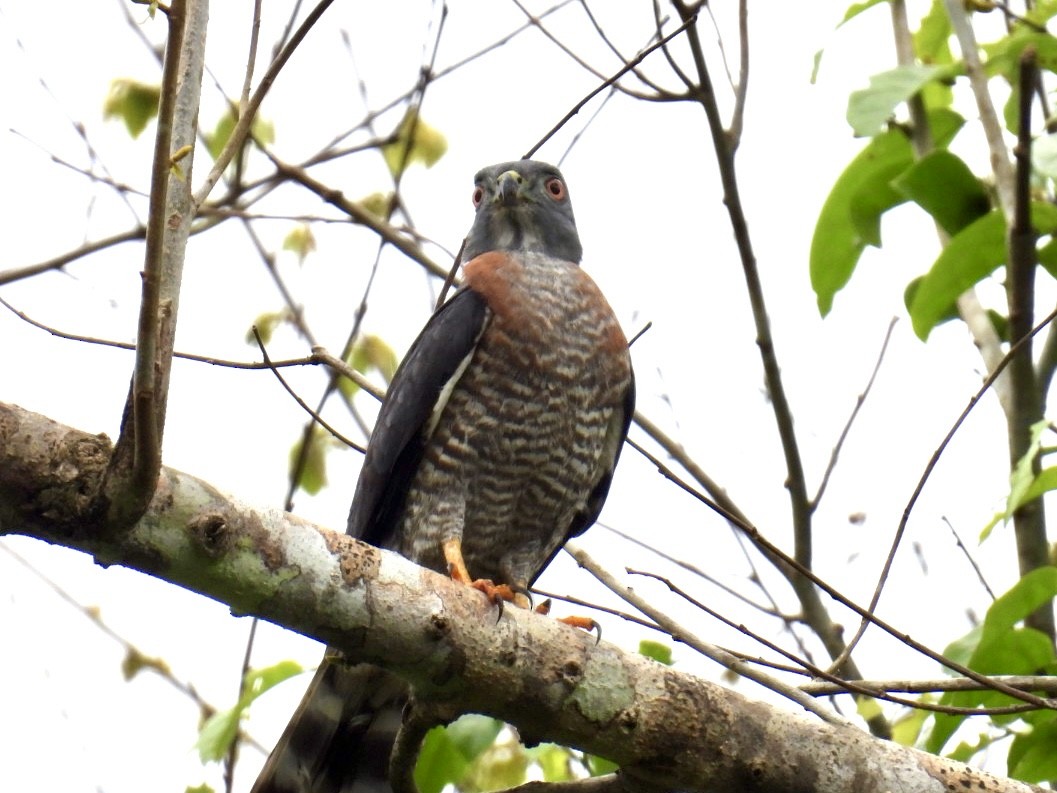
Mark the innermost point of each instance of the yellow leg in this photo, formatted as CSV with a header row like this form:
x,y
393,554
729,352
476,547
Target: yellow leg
x,y
453,556
496,593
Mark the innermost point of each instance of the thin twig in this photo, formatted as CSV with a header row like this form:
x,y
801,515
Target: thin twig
x,y
978,81
680,633
772,550
846,686
1043,683
835,454
304,406
687,25
970,559
245,122
867,614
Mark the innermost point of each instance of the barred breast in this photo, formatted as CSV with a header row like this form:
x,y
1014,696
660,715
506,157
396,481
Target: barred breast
x,y
527,429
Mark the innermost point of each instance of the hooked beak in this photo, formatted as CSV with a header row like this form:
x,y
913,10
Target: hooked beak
x,y
508,187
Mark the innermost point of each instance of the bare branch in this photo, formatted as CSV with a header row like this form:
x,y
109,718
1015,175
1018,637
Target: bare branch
x,y
687,25
901,528
245,122
835,454
680,634
1003,171
137,459
1044,684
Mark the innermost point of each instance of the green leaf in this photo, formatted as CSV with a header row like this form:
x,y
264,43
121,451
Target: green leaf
x,y
554,761
851,216
857,8
971,255
659,652
472,733
439,762
942,184
217,734
1022,477
870,108
1031,591
301,241
1031,756
998,646
312,475
1043,483
133,102
415,141
868,708
859,197
219,731
599,766
501,767
932,38
258,681
853,11
448,752
907,728
203,788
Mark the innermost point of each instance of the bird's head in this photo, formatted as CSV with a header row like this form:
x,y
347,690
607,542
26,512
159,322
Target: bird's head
x,y
522,206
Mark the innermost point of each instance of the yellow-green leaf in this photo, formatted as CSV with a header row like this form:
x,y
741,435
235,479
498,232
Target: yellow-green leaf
x,y
133,102
312,474
369,352
662,653
301,241
260,130
266,324
554,761
414,141
377,204
907,728
220,729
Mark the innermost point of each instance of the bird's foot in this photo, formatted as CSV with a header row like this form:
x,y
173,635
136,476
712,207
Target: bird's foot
x,y
496,593
583,623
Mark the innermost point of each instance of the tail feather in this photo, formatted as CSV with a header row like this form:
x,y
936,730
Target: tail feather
x,y
340,738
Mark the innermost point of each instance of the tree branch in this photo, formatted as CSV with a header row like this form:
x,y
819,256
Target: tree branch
x,y
662,726
134,466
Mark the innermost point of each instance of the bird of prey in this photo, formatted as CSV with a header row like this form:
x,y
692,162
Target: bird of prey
x,y
495,444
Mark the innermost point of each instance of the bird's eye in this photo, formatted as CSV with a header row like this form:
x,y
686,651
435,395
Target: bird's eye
x,y
556,188
478,196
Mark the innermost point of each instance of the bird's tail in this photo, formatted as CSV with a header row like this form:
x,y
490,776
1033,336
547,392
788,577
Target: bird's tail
x,y
340,738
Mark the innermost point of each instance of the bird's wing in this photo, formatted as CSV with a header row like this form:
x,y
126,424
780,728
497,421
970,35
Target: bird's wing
x,y
618,431
417,395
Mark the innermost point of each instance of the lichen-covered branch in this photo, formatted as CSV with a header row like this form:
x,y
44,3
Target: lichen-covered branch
x,y
662,726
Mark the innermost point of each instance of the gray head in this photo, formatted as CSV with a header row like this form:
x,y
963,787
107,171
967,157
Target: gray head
x,y
522,206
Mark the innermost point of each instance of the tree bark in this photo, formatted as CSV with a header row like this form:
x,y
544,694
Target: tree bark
x,y
663,727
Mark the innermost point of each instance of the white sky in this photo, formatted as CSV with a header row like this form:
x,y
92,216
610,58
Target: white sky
x,y
656,237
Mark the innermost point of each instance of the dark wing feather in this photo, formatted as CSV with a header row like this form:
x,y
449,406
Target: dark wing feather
x,y
399,435
583,520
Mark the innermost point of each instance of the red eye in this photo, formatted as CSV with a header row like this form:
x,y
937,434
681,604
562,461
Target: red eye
x,y
556,188
478,196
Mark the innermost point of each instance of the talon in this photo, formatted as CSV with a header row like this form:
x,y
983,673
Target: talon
x,y
496,593
544,608
584,623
